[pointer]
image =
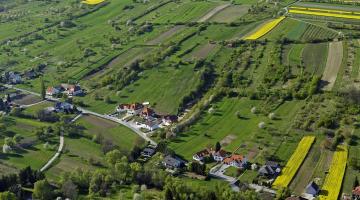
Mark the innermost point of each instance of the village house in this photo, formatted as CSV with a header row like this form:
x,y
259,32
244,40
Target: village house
x,y
220,155
237,161
199,156
148,152
53,91
30,74
131,109
312,189
147,113
356,193
63,107
173,162
11,78
72,90
270,169
148,124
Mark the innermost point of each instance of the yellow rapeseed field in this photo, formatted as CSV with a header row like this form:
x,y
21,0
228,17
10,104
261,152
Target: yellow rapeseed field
x,y
333,181
92,2
324,10
265,29
294,163
325,14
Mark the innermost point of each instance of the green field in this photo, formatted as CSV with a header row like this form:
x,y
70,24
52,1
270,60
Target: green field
x,y
224,122
314,56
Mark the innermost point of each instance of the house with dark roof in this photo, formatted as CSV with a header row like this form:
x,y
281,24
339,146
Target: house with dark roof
x,y
167,120
199,156
148,152
63,107
220,155
270,169
173,162
312,188
147,112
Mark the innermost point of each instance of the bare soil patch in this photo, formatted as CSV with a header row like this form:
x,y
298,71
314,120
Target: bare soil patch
x,y
333,65
227,140
253,152
98,122
213,12
27,99
204,51
166,35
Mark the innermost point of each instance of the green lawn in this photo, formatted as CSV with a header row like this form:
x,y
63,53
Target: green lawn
x,y
33,110
118,134
35,156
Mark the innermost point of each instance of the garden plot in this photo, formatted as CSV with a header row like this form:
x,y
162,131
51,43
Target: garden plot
x,y
333,65
27,99
230,14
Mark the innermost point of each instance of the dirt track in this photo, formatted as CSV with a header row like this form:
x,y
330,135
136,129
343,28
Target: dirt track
x,y
333,65
213,12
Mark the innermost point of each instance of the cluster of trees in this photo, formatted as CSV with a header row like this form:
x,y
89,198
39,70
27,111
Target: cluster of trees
x,y
207,79
176,189
12,184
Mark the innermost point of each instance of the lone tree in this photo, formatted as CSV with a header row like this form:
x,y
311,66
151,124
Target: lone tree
x,y
42,88
217,146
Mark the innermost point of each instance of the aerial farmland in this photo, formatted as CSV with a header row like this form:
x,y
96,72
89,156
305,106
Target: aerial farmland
x,y
180,99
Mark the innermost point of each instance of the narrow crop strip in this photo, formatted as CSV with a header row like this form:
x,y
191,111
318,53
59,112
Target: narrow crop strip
x,y
325,10
294,163
332,185
264,29
92,2
324,14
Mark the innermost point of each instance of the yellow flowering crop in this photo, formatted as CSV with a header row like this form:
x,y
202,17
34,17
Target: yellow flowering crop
x,y
324,10
294,163
264,29
333,181
92,2
325,14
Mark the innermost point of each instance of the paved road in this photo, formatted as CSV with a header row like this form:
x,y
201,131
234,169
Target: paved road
x,y
34,104
218,172
57,154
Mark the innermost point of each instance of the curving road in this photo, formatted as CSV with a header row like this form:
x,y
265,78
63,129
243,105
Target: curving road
x,y
83,111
